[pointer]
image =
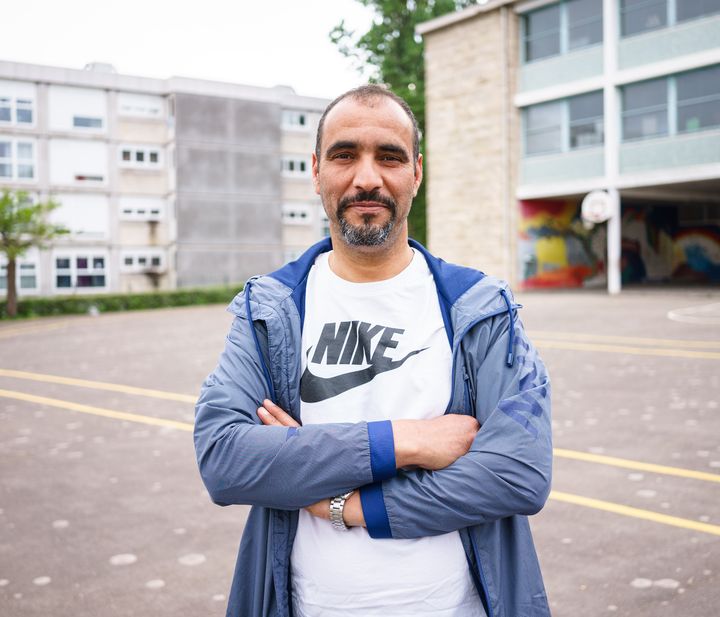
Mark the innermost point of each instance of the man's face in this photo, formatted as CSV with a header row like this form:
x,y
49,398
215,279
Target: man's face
x,y
367,177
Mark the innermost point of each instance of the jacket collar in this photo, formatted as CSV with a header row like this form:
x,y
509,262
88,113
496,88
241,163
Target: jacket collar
x,y
451,281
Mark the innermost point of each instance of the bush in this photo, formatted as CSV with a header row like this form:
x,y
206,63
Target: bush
x,y
76,305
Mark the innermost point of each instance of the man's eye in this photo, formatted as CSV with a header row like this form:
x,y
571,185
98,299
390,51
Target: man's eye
x,y
390,157
342,155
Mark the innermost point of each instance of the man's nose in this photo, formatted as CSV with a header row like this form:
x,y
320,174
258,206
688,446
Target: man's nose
x,y
367,174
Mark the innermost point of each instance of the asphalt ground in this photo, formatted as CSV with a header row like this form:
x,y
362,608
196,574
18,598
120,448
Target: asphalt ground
x,y
102,511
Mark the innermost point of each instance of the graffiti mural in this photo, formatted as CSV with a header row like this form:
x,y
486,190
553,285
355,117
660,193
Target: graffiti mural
x,y
656,247
555,249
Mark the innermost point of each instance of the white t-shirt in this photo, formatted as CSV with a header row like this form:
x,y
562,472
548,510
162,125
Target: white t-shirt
x,y
388,340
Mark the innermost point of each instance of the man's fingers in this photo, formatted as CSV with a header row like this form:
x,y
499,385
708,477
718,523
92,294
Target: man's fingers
x,y
267,418
276,415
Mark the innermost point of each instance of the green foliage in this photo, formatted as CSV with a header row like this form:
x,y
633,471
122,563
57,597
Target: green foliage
x,y
392,54
77,305
24,224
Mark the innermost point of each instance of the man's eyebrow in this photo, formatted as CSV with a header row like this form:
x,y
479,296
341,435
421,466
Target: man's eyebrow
x,y
341,145
395,149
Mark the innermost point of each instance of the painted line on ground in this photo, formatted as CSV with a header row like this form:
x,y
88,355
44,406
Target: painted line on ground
x,y
587,457
98,385
96,411
623,349
579,500
613,461
19,331
636,340
646,515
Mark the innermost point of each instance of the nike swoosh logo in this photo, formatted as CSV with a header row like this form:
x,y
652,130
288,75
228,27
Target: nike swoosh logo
x,y
314,389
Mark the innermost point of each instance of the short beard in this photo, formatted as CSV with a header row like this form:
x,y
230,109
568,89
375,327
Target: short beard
x,y
367,234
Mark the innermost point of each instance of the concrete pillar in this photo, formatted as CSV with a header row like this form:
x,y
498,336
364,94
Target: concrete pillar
x,y
611,101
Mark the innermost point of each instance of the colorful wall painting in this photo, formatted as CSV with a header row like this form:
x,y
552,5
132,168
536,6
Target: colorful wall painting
x,y
657,248
555,249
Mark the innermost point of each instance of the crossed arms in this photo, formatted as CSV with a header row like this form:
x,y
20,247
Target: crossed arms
x,y
462,476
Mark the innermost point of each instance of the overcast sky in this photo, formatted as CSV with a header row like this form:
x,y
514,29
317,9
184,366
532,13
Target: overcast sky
x,y
258,42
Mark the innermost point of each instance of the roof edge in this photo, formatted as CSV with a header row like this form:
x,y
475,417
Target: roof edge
x,y
452,18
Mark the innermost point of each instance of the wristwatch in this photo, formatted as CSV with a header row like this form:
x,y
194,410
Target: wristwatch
x,y
337,505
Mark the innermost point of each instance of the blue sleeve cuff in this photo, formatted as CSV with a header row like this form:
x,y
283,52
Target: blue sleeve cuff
x,y
382,450
373,506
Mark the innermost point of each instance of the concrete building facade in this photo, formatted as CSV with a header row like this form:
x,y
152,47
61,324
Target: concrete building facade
x,y
162,183
532,105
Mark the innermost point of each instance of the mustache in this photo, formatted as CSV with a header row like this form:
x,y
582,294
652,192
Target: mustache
x,y
362,196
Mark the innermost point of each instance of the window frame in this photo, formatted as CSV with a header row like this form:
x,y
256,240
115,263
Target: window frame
x,y
15,104
146,151
287,166
149,254
73,271
671,17
21,262
563,32
565,126
295,120
16,162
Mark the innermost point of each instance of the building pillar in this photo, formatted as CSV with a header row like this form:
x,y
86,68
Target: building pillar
x,y
611,113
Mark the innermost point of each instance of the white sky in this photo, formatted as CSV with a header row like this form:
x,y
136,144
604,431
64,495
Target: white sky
x,y
256,42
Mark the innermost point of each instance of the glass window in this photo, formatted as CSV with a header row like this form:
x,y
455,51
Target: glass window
x,y
81,263
586,120
89,123
543,128
642,15
62,263
128,261
542,33
98,262
24,111
645,109
6,170
139,156
155,261
5,109
142,260
28,280
691,9
585,23
126,155
698,94
63,280
153,157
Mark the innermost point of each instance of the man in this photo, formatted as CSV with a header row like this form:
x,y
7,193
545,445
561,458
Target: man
x,y
382,410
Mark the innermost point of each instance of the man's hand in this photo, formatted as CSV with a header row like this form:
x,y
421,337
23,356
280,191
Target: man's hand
x,y
271,415
434,443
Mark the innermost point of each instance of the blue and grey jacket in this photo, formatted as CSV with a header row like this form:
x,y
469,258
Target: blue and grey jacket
x,y
486,494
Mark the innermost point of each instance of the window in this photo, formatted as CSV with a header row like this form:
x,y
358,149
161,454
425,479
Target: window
x,y
292,119
81,271
562,27
295,166
140,105
142,260
645,112
542,33
17,159
25,275
568,124
638,16
296,214
586,120
140,157
543,128
585,23
698,99
692,215
692,9
694,96
85,122
17,111
324,224
141,208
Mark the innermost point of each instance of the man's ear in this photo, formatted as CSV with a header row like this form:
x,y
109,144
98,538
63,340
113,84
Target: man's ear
x,y
418,174
315,173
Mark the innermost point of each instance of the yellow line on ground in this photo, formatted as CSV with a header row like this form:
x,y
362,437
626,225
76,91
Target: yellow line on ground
x,y
8,332
647,515
98,385
613,461
639,351
186,426
96,411
636,340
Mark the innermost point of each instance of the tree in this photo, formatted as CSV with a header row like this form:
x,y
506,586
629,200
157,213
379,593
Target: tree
x,y
391,53
23,224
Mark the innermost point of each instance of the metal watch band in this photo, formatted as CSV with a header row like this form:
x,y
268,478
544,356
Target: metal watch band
x,y
337,505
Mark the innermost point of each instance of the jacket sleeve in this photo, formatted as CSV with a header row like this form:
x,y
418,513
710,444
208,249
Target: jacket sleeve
x,y
508,467
242,461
